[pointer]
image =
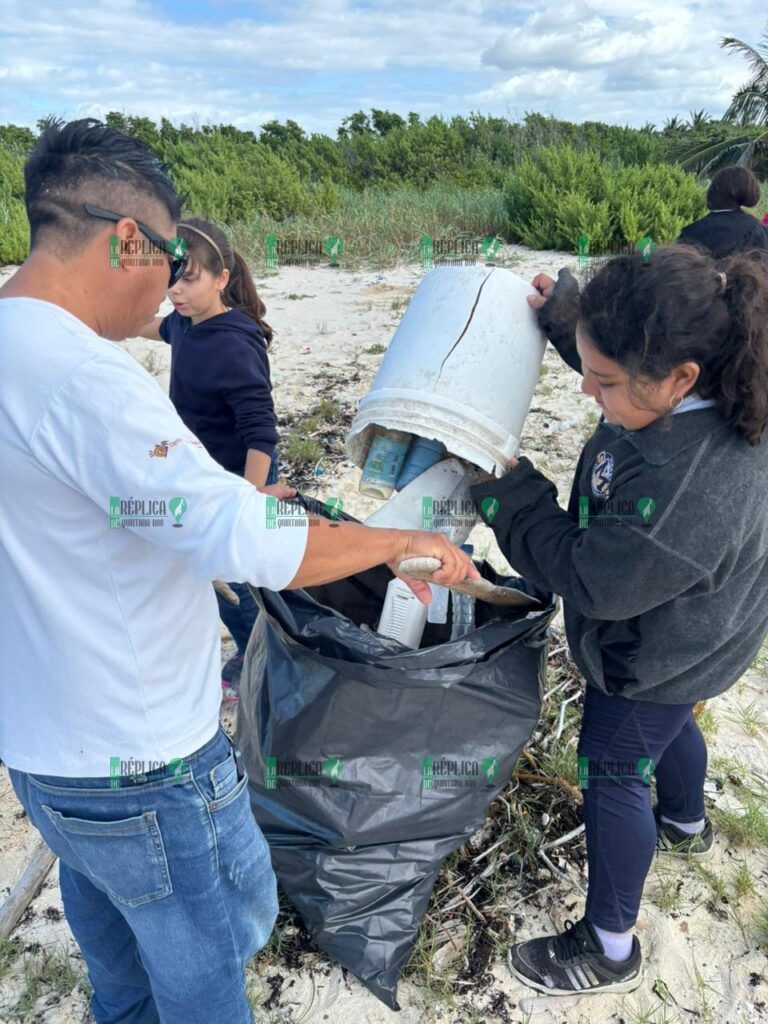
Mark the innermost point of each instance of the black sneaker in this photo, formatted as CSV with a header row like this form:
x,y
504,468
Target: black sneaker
x,y
671,839
574,962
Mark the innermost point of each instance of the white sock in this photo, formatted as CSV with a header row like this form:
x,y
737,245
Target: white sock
x,y
616,945
689,827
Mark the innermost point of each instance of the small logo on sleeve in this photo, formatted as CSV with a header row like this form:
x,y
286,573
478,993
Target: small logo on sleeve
x,y
602,474
160,450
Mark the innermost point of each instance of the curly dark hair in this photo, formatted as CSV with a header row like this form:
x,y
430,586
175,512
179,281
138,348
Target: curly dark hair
x,y
650,316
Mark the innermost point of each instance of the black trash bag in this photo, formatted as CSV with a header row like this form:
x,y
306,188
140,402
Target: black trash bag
x,y
369,763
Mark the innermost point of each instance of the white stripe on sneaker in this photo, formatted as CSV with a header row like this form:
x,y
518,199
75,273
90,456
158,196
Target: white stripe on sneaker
x,y
573,978
579,971
593,978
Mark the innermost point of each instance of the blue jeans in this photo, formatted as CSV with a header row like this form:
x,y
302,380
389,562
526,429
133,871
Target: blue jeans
x,y
618,736
167,885
239,618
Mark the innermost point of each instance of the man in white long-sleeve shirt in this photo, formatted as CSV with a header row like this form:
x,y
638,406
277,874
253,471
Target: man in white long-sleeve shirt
x,y
113,523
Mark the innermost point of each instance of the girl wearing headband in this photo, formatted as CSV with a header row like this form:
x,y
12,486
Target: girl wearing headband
x,y
220,382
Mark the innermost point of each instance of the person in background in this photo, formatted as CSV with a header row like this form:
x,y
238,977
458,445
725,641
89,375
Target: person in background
x,y
107,555
661,560
727,228
220,385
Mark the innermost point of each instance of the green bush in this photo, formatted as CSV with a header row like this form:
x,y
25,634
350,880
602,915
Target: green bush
x,y
560,193
14,231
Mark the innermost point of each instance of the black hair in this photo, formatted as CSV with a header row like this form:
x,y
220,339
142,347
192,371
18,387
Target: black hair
x,y
240,291
87,161
733,186
651,316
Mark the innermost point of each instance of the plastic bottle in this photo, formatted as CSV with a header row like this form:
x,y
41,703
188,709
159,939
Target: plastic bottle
x,y
462,608
423,453
403,616
384,462
437,609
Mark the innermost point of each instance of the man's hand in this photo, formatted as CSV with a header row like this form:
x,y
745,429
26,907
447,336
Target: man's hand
x,y
281,491
456,564
544,285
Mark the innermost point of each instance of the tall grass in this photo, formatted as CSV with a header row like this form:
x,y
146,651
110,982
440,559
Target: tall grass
x,y
381,227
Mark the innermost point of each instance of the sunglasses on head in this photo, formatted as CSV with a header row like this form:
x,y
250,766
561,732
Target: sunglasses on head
x,y
178,260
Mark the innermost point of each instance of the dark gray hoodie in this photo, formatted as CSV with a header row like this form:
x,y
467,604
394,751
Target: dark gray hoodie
x,y
661,558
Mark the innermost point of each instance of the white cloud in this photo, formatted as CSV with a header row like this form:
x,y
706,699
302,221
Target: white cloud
x,y
632,61
318,60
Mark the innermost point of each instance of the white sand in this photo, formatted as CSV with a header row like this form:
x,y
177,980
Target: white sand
x,y
339,315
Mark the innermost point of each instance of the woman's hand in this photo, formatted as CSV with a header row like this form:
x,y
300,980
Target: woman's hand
x,y
280,491
544,285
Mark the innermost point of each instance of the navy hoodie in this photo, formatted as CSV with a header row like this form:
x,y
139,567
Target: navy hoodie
x,y
726,232
220,384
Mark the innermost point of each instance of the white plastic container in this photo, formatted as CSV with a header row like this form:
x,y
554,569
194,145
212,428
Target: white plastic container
x,y
403,616
461,367
421,505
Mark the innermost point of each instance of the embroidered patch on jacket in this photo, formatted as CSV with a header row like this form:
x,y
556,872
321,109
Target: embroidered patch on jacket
x,y
602,473
160,450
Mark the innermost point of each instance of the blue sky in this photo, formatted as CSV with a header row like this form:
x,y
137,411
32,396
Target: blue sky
x,y
244,63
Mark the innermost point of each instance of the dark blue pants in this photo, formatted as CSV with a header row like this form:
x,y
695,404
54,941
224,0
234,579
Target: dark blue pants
x,y
619,738
239,619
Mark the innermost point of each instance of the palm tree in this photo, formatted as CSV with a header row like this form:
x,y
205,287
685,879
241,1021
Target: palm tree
x,y
699,120
674,126
748,111
750,103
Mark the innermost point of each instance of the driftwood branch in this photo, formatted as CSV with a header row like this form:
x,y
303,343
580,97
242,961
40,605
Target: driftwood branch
x,y
226,591
27,887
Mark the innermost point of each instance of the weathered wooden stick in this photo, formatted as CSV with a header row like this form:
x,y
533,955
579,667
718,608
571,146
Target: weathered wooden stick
x,y
422,567
27,887
226,591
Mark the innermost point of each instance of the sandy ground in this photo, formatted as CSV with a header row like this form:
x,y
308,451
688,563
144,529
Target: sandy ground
x,y
700,966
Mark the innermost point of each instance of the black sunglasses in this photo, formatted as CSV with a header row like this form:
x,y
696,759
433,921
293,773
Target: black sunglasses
x,y
175,250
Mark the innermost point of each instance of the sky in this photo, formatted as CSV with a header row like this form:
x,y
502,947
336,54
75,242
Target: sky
x,y
316,62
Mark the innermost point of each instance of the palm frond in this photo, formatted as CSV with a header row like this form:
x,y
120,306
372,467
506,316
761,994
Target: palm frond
x,y
756,58
749,105
704,157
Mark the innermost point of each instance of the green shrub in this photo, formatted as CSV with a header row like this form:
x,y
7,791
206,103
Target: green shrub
x,y
14,232
559,193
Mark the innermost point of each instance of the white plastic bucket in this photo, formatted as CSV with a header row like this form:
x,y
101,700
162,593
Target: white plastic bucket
x,y
461,367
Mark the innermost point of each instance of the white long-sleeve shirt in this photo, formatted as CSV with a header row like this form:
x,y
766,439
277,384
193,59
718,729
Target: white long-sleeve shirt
x,y
109,630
